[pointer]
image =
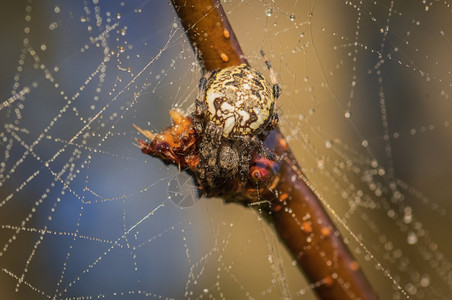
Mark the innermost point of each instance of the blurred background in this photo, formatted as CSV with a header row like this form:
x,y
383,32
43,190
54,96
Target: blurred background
x,y
83,214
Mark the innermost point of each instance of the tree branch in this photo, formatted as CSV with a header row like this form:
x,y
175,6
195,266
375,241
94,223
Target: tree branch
x,y
295,209
210,34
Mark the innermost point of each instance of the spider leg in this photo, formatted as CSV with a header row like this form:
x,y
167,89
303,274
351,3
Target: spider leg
x,y
243,146
273,77
213,133
200,106
273,122
258,146
276,91
210,145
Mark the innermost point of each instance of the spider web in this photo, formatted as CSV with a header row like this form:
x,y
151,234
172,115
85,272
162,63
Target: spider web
x,y
84,215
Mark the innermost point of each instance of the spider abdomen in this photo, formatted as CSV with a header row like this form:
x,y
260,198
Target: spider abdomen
x,y
239,100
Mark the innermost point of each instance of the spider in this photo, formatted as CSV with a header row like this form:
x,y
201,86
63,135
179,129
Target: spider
x,y
234,112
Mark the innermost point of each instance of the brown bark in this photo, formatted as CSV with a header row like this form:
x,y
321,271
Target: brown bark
x,y
297,213
209,33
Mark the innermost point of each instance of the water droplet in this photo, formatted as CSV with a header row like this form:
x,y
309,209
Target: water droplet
x,y
328,144
292,17
53,26
374,163
83,19
425,280
302,34
411,238
411,289
408,216
365,143
347,115
391,213
57,9
269,11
